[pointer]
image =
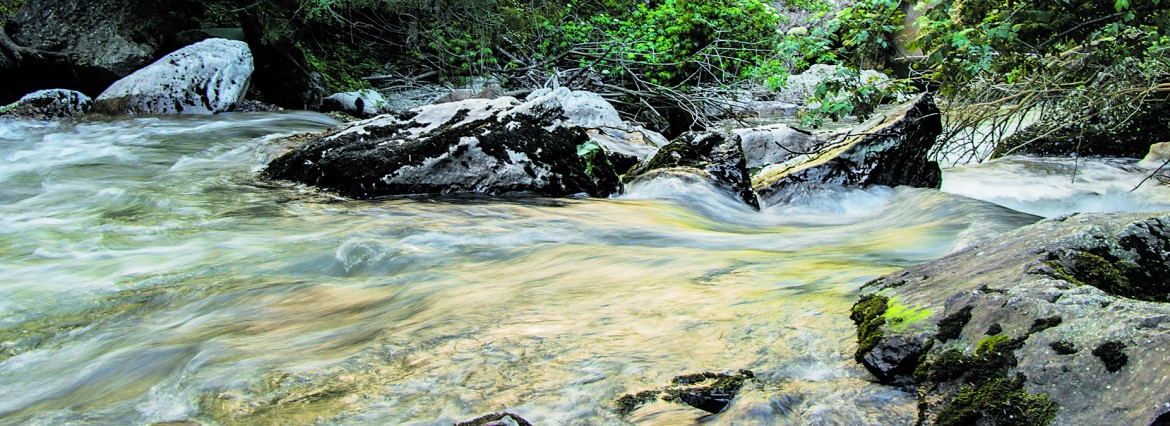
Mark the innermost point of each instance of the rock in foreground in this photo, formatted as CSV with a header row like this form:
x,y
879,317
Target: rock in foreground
x,y
486,146
1066,321
208,77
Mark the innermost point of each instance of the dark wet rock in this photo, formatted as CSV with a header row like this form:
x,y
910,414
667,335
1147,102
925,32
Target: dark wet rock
x,y
716,157
891,149
48,105
1021,330
497,146
497,419
204,78
361,104
707,391
100,41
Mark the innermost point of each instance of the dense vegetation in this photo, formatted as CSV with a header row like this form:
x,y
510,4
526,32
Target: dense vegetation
x,y
1071,66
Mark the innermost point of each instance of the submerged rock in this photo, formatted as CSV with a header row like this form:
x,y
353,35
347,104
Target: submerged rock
x,y
497,419
48,105
715,157
204,78
710,392
488,146
891,149
361,104
1065,321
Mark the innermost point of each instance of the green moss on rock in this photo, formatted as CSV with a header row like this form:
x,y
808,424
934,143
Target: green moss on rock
x,y
869,316
999,401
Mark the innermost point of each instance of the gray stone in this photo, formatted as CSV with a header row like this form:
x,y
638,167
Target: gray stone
x,y
1044,335
204,78
776,143
488,146
361,104
48,105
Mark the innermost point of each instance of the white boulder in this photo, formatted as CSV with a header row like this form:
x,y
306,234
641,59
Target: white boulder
x,y
208,77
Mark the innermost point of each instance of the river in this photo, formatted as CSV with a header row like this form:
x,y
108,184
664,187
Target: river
x,y
148,275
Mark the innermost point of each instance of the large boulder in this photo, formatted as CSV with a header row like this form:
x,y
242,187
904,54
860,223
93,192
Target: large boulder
x,y
1066,321
361,104
100,41
487,146
48,105
204,78
715,157
891,149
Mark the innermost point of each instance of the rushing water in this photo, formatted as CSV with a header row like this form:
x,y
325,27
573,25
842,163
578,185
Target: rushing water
x,y
147,275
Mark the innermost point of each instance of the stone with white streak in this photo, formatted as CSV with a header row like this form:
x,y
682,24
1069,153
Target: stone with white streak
x,y
208,77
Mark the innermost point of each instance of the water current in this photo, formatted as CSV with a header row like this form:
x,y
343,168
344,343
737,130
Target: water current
x,y
147,275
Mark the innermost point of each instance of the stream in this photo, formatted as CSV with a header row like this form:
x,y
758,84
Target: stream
x,y
147,275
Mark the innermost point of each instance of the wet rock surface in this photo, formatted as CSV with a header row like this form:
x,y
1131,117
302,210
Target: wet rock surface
x,y
707,391
487,146
1025,330
496,419
204,78
715,157
891,149
48,105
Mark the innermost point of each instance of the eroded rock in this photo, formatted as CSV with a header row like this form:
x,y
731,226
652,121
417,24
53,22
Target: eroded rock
x,y
1021,329
204,78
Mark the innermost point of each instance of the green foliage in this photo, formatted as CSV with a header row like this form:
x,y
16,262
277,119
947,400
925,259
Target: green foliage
x,y
857,37
866,29
850,92
8,8
342,67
